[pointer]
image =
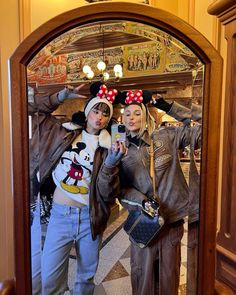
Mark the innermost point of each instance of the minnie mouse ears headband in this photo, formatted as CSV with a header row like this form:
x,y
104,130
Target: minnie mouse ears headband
x,y
125,97
98,89
135,97
100,94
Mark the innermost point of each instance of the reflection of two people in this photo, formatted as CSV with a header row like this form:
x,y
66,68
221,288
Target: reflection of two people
x,y
162,104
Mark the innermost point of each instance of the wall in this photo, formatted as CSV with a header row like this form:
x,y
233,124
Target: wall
x,y
18,19
204,23
170,6
43,10
9,26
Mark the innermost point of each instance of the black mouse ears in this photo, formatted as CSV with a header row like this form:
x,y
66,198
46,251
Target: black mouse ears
x,y
79,118
135,97
95,87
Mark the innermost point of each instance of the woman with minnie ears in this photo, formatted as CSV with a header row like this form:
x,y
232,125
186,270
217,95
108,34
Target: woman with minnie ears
x,y
156,268
73,155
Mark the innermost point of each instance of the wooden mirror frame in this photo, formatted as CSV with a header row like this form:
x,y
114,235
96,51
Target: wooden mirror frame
x,y
211,124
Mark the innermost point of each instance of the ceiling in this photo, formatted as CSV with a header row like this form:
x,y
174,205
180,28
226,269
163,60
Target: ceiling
x,y
98,41
110,39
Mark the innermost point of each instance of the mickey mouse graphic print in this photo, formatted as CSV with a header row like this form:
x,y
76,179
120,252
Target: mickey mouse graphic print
x,y
73,171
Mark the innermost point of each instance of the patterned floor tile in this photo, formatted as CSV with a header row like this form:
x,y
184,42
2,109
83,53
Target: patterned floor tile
x,y
118,287
126,253
126,263
118,271
113,274
99,290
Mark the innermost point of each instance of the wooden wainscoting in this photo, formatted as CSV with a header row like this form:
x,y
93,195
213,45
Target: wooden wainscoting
x,y
7,287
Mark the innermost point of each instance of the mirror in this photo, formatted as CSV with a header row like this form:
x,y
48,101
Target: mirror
x,y
150,59
171,64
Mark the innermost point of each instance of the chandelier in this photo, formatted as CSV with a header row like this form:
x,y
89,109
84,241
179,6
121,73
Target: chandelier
x,y
102,66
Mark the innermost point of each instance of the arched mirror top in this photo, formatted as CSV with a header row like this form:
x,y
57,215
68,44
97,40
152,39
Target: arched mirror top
x,y
192,47
148,57
110,33
108,11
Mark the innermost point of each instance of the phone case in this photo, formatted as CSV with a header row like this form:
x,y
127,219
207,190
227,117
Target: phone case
x,y
118,133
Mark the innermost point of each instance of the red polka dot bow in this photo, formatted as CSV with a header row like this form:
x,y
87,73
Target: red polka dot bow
x,y
110,95
132,97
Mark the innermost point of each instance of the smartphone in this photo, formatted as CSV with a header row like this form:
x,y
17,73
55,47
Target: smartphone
x,y
118,134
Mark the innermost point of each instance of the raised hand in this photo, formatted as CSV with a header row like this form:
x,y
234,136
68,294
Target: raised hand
x,y
69,92
159,102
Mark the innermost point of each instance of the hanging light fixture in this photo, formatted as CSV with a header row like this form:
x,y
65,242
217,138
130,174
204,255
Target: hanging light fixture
x,y
101,66
118,71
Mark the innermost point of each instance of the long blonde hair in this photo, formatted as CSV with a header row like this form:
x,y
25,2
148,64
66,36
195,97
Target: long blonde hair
x,y
147,121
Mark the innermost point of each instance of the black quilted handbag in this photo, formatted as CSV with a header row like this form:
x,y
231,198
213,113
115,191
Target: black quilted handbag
x,y
142,228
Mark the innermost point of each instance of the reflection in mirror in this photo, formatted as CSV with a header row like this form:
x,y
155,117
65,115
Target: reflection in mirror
x,y
34,150
194,180
151,59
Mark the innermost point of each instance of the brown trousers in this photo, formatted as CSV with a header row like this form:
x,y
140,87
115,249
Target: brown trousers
x,y
156,268
192,258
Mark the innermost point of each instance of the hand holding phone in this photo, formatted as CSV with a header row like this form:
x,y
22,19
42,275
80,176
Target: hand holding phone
x,y
118,134
118,148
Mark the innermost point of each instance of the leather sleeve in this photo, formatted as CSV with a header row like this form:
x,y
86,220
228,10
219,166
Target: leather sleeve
x,y
44,104
108,182
180,113
131,199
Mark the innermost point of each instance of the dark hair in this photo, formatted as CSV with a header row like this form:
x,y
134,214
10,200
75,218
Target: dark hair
x,y
101,106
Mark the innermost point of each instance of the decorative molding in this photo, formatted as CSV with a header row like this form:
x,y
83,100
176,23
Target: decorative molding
x,y
221,6
216,34
191,12
25,18
94,1
225,10
226,265
7,287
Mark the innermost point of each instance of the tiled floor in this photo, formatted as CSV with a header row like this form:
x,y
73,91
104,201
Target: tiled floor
x,y
113,274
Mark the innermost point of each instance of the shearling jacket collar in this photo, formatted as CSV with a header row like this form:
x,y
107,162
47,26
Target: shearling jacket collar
x,y
104,138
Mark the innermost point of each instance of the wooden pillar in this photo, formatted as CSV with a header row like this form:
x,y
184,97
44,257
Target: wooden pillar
x,y
225,10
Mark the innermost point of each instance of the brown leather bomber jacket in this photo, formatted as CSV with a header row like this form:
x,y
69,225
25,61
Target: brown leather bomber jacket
x,y
171,185
49,140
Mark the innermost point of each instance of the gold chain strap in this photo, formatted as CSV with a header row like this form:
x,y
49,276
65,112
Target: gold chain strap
x,y
152,170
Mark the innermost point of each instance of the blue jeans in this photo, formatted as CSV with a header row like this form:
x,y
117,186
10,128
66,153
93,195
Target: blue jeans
x,y
68,225
36,252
